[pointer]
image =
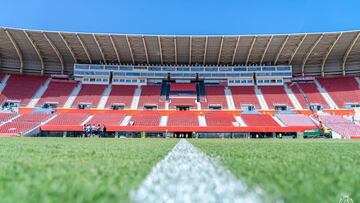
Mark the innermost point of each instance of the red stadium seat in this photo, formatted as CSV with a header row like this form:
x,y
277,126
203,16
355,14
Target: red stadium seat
x,y
121,94
89,94
57,92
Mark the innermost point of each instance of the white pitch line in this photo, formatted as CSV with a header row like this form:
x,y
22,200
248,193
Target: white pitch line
x,y
188,175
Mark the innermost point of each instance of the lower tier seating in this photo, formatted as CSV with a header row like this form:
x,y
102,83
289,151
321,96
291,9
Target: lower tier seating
x,y
341,125
110,119
183,119
259,120
182,102
69,119
219,119
150,95
295,120
147,119
244,95
275,95
16,128
121,94
215,95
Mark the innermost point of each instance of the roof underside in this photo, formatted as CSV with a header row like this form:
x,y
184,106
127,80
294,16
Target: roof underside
x,y
44,52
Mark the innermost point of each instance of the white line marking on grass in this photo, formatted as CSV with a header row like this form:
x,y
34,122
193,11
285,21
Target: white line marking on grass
x,y
188,175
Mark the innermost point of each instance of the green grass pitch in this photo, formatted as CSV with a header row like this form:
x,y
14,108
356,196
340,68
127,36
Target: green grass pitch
x,y
105,170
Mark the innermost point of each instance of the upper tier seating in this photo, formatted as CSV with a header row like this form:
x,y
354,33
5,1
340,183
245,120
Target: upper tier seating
x,y
21,88
69,119
295,120
343,126
259,120
121,94
111,119
311,92
150,95
342,89
219,119
215,95
183,87
275,95
244,95
89,94
58,92
182,102
147,119
6,116
181,119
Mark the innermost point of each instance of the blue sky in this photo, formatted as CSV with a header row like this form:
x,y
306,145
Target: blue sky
x,y
192,17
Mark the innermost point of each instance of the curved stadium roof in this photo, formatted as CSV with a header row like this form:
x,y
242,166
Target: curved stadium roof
x,y
48,52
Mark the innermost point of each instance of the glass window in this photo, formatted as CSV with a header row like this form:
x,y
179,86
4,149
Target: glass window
x,y
160,74
111,68
254,68
225,69
96,67
86,79
240,69
79,66
218,75
140,68
249,81
279,81
147,74
168,68
233,74
177,75
132,74
128,80
268,68
142,81
207,69
154,68
197,69
204,75
119,74
98,80
189,74
125,68
282,68
122,80
246,74
183,69
134,81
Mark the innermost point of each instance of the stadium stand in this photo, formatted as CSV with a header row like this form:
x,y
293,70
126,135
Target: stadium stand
x,y
180,119
259,120
110,119
343,90
219,119
21,88
121,94
89,94
150,95
311,92
68,119
244,95
215,95
182,102
57,92
295,120
146,119
183,87
275,95
341,125
6,116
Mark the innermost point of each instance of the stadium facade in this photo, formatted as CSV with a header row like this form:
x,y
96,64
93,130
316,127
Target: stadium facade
x,y
230,86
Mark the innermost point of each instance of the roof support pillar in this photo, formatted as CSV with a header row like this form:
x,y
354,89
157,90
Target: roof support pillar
x,y
161,54
99,47
175,49
190,50
328,53
296,49
220,49
281,49
115,49
84,47
36,50
266,48
146,53
16,47
347,53
205,49
309,53
250,50
56,52
235,50
68,46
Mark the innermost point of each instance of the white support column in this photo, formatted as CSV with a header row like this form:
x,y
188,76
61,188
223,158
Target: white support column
x,y
68,46
347,53
296,49
205,49
220,49
175,49
251,48
236,47
161,54
36,50
266,48
84,47
18,51
99,47
328,53
130,49
309,53
281,49
190,49
146,53
56,50
115,49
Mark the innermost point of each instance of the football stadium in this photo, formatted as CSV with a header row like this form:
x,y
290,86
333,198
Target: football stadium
x,y
107,117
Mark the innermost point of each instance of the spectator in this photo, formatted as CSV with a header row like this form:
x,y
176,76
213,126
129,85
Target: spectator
x,y
104,130
98,130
